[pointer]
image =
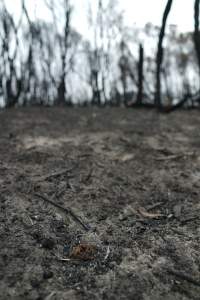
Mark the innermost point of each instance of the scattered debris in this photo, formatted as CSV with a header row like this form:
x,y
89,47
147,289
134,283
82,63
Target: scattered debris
x,y
26,220
124,258
177,209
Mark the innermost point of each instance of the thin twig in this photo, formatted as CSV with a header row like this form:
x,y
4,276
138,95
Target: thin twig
x,y
175,156
189,219
180,232
153,206
66,210
54,175
107,253
89,175
169,157
63,259
49,297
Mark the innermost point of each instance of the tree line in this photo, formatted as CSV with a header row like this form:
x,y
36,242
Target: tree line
x,y
51,63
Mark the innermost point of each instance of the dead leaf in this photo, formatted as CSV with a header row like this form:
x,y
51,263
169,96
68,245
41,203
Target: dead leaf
x,y
144,213
127,157
83,252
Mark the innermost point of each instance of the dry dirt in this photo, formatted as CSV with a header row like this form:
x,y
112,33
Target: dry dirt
x,y
131,176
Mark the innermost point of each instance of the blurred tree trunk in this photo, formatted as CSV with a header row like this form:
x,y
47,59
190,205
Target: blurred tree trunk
x,y
64,49
140,75
196,31
29,71
159,57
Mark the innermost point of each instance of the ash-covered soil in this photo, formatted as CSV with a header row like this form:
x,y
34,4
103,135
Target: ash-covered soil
x,y
133,176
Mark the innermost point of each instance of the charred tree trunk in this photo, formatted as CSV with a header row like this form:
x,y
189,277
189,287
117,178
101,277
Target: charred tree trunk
x,y
64,49
140,75
8,68
159,57
196,31
29,71
124,84
96,91
61,91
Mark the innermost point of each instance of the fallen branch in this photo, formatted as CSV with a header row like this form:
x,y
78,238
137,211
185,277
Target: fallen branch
x,y
187,98
174,107
66,210
183,276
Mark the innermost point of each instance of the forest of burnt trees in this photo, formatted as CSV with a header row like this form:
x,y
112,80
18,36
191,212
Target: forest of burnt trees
x,y
44,63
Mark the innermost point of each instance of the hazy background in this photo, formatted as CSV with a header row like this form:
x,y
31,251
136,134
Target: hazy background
x,y
135,12
89,51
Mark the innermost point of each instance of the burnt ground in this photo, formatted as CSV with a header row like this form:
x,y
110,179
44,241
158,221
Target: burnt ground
x,y
133,176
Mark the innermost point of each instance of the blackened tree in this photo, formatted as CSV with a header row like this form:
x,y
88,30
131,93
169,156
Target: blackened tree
x,y
196,30
159,57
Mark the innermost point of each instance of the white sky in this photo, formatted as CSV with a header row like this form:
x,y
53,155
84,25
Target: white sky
x,y
135,11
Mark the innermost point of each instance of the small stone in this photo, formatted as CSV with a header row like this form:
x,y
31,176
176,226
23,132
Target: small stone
x,y
48,243
47,274
35,282
58,217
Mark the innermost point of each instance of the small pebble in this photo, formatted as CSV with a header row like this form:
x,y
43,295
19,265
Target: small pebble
x,y
48,243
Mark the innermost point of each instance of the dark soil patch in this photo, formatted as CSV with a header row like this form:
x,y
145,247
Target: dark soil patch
x,y
132,176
